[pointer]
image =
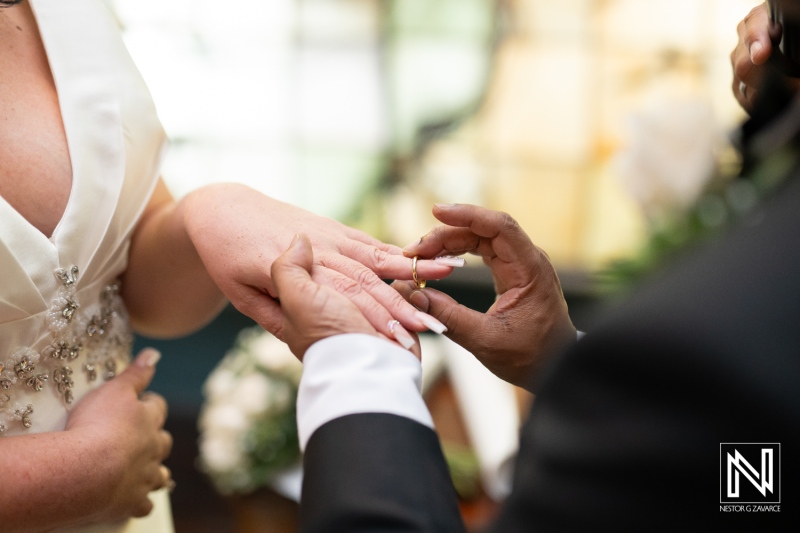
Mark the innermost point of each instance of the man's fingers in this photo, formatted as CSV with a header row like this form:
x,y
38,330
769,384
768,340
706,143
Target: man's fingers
x,y
756,32
464,325
293,266
476,230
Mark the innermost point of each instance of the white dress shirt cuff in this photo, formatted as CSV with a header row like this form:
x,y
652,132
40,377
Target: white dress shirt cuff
x,y
357,373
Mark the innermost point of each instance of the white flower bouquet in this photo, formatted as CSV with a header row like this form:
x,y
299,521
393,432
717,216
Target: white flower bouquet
x,y
248,431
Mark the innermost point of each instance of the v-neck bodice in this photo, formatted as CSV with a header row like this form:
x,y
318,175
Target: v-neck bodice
x,y
115,144
114,141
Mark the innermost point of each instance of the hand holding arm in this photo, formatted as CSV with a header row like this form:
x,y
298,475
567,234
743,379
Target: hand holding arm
x,y
529,320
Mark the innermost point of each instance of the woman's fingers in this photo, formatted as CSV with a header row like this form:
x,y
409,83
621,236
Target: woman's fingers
x,y
389,264
156,407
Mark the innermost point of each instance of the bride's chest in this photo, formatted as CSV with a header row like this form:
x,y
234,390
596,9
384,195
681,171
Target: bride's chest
x,y
35,167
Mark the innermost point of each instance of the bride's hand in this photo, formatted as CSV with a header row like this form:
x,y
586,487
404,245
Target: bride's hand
x,y
239,232
125,426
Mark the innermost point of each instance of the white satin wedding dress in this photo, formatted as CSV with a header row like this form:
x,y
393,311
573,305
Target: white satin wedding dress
x,y
63,327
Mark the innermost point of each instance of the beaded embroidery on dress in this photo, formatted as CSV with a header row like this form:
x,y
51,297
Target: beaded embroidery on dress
x,y
95,340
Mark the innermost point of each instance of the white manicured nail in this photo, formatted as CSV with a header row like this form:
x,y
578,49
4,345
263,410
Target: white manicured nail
x,y
148,357
451,261
430,322
401,335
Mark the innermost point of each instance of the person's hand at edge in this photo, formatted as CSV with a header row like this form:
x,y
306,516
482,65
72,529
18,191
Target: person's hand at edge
x,y
749,60
527,323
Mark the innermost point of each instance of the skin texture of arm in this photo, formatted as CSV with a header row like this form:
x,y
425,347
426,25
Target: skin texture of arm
x,y
528,322
224,237
100,469
166,287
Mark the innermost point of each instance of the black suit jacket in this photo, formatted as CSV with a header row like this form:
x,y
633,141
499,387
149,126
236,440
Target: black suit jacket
x,y
626,429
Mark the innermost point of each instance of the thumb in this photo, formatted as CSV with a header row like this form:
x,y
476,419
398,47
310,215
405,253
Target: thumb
x,y
141,372
292,270
464,325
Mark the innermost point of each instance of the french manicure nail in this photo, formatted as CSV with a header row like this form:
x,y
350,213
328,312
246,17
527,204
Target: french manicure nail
x,y
148,357
401,335
430,322
450,260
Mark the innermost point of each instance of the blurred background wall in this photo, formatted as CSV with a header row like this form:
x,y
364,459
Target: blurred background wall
x,y
371,110
587,120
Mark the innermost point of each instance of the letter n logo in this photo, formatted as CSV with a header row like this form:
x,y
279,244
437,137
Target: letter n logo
x,y
750,473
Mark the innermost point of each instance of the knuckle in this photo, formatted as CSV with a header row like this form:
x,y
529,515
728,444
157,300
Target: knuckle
x,y
143,508
380,259
509,223
741,69
168,442
449,317
347,286
366,278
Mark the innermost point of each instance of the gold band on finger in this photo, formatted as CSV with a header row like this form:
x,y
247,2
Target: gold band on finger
x,y
420,282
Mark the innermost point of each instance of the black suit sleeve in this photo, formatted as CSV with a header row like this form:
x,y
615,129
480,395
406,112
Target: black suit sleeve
x,y
377,472
626,430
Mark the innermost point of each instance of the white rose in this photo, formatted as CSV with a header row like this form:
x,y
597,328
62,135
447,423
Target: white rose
x,y
272,354
252,394
280,397
226,418
220,454
219,384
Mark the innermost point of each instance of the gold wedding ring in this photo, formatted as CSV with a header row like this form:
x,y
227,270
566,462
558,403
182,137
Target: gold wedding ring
x,y
420,282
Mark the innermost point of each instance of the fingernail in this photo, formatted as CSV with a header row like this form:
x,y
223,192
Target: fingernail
x,y
430,322
148,358
444,206
294,240
419,300
754,49
412,244
401,335
450,260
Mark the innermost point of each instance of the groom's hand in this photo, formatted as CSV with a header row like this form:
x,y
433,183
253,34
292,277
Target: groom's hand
x,y
311,311
528,322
